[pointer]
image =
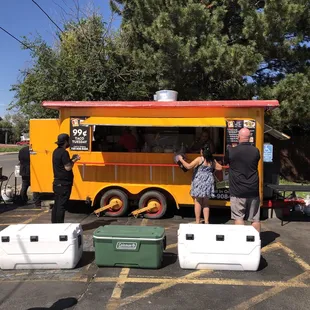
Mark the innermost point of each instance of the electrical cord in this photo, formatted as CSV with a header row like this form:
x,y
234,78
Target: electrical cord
x,y
25,45
47,15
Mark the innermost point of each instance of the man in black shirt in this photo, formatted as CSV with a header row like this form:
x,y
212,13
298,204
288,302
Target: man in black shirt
x,y
244,181
63,177
24,161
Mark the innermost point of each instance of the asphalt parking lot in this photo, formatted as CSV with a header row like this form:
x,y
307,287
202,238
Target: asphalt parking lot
x,y
282,281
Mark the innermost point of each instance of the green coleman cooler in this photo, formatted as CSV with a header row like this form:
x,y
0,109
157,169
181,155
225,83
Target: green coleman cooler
x,y
129,246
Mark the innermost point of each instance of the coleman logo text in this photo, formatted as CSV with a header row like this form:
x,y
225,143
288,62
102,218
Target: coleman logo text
x,y
126,246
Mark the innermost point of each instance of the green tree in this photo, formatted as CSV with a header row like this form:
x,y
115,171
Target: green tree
x,y
89,63
293,93
228,49
190,47
282,32
212,49
6,130
15,125
20,125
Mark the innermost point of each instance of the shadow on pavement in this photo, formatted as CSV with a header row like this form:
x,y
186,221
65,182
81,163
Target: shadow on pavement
x,y
263,264
220,216
79,207
295,218
217,215
169,259
97,223
268,237
61,304
87,258
7,208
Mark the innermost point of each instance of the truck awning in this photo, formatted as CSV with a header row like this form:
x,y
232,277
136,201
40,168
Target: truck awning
x,y
275,133
267,104
156,122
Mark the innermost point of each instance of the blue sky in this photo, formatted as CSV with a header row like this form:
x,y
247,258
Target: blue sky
x,y
23,17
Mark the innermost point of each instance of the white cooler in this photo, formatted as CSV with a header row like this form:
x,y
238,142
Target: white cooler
x,y
219,247
41,246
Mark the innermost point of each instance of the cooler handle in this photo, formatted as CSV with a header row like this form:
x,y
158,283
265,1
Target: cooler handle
x,y
220,238
250,238
79,240
63,238
190,237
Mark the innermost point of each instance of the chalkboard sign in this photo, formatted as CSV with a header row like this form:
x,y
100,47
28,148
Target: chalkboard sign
x,y
79,134
233,128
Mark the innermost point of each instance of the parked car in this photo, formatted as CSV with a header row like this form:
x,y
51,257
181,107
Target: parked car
x,y
22,143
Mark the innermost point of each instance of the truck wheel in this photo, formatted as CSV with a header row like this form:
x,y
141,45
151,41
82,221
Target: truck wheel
x,y
158,200
118,197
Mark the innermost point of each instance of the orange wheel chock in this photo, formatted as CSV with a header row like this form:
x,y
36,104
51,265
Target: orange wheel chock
x,y
114,204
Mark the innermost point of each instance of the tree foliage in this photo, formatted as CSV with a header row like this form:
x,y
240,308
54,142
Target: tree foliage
x,y
190,47
88,63
224,49
293,94
228,49
15,125
5,126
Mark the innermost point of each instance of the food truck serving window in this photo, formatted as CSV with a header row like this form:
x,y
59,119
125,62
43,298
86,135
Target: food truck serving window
x,y
156,139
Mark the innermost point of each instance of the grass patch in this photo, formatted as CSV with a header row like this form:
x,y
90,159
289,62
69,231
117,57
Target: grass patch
x,y
286,182
298,194
10,149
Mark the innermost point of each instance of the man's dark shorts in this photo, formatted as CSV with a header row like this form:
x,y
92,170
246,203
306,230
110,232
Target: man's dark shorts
x,y
247,209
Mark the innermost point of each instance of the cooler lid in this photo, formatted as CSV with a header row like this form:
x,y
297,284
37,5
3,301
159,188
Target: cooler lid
x,y
133,232
44,231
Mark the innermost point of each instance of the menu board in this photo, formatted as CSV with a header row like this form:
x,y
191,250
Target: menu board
x,y
233,128
79,134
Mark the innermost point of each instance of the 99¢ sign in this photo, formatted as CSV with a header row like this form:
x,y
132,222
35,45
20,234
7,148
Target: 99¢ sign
x,y
79,134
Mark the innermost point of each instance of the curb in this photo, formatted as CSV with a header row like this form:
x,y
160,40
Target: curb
x,y
8,153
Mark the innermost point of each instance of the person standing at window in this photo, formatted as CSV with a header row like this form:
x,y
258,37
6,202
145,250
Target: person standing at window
x,y
202,187
244,181
63,177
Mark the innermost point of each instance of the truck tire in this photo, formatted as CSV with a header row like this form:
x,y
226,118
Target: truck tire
x,y
157,197
115,194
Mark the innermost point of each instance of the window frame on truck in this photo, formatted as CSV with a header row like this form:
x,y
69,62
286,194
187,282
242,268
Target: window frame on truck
x,y
172,136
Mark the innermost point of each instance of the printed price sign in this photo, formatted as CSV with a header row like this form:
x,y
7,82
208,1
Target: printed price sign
x,y
233,128
79,134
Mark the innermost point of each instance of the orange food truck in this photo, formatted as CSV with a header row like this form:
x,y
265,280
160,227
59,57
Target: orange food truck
x,y
127,150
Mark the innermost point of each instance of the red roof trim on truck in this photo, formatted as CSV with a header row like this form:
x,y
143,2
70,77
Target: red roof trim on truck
x,y
269,104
